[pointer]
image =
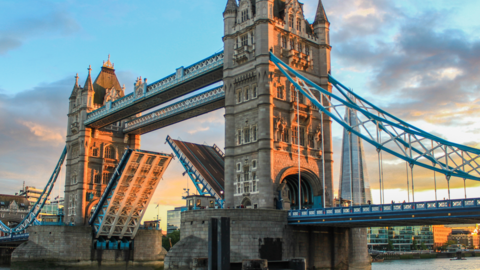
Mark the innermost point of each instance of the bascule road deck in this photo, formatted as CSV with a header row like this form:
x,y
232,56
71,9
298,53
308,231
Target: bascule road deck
x,y
209,162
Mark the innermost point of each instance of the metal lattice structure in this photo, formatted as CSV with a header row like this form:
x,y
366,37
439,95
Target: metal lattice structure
x,y
31,218
386,132
216,94
128,194
201,184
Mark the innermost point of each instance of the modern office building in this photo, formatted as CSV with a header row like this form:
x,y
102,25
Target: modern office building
x,y
32,194
400,238
173,219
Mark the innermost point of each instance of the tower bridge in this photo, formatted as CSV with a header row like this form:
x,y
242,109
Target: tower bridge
x,y
280,101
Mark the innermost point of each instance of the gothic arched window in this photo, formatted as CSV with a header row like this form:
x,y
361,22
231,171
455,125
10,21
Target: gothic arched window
x,y
109,152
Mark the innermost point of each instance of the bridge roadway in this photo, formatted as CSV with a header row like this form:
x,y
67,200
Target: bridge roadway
x,y
184,81
204,164
462,211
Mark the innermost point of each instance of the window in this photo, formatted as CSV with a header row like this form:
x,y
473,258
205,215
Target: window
x,y
299,47
95,152
280,92
3,215
245,40
106,177
311,141
245,15
74,178
301,98
246,172
246,188
299,25
285,136
96,178
307,50
302,136
109,152
251,39
254,133
254,91
239,137
246,135
238,178
254,163
294,135
254,175
292,44
239,167
239,188
239,96
284,42
290,21
246,94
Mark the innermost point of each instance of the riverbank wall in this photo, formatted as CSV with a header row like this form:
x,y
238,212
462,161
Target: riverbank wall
x,y
412,256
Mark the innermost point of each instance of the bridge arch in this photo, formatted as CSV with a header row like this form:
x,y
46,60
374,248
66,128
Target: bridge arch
x,y
287,180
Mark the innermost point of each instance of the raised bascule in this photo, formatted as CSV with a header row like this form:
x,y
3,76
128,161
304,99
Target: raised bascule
x,y
274,179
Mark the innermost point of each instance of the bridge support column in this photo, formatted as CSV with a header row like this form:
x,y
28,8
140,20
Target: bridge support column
x,y
358,253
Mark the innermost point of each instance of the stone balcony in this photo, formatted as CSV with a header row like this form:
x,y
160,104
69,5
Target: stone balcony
x,y
243,53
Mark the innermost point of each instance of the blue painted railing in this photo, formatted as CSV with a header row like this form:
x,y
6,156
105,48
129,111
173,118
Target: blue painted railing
x,y
14,238
385,208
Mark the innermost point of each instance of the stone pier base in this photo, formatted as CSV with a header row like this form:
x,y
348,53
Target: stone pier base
x,y
54,247
265,234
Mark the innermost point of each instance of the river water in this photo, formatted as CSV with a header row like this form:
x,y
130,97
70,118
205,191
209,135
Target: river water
x,y
426,264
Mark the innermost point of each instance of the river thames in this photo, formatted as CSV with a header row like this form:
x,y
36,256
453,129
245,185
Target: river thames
x,y
426,264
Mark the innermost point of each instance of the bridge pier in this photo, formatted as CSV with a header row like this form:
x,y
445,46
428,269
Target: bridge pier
x,y
60,246
265,234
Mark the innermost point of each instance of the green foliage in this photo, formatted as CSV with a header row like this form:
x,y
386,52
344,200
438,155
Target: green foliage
x,y
174,237
423,246
414,244
390,245
406,256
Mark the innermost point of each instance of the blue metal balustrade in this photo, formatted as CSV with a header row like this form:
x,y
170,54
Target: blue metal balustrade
x,y
424,213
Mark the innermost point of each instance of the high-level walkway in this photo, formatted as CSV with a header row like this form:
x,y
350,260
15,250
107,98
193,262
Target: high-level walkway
x,y
184,81
464,211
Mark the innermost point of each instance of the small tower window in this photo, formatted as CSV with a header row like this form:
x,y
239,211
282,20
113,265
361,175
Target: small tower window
x,y
307,50
245,15
246,173
284,42
290,21
280,92
292,44
254,164
254,91
300,47
299,25
239,137
239,96
96,178
106,177
302,136
95,152
246,135
109,152
245,40
247,94
254,133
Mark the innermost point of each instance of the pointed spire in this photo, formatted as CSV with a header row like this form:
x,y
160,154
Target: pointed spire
x,y
108,64
76,81
321,15
88,83
231,6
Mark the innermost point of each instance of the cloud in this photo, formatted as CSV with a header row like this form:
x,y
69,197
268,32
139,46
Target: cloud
x,y
44,133
56,23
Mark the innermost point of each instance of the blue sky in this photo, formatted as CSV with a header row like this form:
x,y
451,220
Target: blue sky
x,y
417,59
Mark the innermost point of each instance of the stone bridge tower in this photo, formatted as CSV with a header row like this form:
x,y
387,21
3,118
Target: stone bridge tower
x,y
93,154
261,138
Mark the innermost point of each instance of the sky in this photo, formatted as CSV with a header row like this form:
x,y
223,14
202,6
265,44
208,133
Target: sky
x,y
418,60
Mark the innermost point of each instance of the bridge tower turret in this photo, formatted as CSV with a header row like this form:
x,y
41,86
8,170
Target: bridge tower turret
x,y
261,138
92,153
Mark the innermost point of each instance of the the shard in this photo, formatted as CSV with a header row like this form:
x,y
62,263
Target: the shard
x,y
354,174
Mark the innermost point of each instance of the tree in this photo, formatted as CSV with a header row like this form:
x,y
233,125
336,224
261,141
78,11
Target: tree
x,y
390,245
174,237
423,246
414,244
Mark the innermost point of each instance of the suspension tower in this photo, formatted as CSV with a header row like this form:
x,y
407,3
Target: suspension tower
x,y
266,125
93,154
